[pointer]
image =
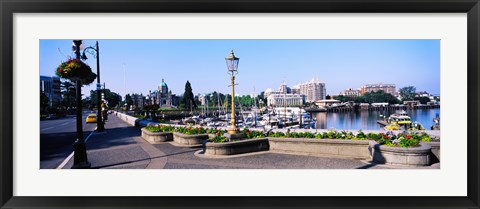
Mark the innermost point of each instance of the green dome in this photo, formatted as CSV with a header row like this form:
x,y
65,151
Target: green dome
x,y
163,84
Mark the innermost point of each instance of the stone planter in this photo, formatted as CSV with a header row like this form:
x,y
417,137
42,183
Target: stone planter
x,y
236,147
154,137
186,139
415,156
435,153
357,149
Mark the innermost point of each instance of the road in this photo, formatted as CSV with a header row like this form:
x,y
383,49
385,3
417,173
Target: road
x,y
57,137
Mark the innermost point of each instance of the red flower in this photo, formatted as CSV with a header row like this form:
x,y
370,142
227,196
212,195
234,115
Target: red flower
x,y
408,137
59,70
248,132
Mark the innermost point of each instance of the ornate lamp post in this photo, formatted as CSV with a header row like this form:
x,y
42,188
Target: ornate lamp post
x,y
232,65
80,157
100,122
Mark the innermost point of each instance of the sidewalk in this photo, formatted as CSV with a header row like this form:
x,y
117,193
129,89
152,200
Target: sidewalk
x,y
122,147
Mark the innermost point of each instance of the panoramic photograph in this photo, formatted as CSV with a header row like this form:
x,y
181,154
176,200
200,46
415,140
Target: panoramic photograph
x,y
239,104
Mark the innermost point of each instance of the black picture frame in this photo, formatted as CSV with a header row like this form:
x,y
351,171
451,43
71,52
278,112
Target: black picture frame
x,y
10,7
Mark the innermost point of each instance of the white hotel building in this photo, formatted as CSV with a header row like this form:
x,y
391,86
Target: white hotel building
x,y
283,96
313,90
289,100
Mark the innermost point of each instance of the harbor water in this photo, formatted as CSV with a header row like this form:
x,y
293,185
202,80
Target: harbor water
x,y
367,120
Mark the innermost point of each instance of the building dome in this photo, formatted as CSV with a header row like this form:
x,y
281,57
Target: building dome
x,y
163,84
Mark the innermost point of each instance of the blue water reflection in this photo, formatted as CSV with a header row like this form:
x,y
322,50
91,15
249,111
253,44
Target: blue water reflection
x,y
367,120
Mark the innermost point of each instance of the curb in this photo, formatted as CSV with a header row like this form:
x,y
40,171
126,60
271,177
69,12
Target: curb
x,y
200,154
64,162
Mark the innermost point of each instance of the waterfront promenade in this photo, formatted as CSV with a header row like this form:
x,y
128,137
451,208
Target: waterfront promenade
x,y
122,147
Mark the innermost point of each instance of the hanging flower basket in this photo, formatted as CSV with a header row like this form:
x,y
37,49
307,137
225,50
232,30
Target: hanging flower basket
x,y
74,70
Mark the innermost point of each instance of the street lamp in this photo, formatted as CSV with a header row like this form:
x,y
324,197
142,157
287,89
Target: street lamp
x,y
232,65
80,157
100,122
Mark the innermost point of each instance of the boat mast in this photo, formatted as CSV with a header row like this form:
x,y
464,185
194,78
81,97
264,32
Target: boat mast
x,y
285,103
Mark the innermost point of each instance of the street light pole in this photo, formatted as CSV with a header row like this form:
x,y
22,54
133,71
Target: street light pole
x,y
232,65
233,129
80,157
100,122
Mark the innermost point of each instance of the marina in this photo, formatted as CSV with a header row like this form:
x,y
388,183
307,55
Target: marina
x,y
296,118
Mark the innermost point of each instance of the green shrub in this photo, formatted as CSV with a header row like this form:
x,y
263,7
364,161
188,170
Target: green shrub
x,y
426,138
360,135
191,130
408,141
160,128
219,139
309,135
339,136
276,134
331,135
374,136
139,116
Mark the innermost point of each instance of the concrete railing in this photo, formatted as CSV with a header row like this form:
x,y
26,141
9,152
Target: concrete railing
x,y
133,120
127,118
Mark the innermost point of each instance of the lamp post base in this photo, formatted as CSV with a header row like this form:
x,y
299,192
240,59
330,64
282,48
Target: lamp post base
x,y
233,130
80,156
100,127
84,165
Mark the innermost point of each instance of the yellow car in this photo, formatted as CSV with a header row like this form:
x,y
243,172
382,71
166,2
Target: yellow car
x,y
92,118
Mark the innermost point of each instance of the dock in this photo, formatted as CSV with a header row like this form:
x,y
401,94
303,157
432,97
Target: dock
x,y
382,122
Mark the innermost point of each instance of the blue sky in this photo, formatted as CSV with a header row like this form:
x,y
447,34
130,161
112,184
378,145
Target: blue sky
x,y
340,64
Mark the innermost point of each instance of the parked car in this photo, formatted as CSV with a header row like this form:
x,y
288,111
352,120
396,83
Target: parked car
x,y
92,118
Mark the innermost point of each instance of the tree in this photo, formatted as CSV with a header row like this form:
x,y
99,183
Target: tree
x,y
407,93
246,101
112,98
43,102
261,97
423,100
378,96
128,101
188,100
67,89
343,98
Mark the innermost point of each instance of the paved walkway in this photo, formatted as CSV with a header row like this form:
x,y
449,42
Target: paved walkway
x,y
122,146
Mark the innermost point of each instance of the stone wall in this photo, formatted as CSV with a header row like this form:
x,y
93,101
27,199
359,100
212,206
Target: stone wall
x,y
331,147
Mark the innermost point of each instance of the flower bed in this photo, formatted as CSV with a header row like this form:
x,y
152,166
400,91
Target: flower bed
x,y
154,137
359,145
250,141
357,149
406,148
236,147
189,139
412,156
330,143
